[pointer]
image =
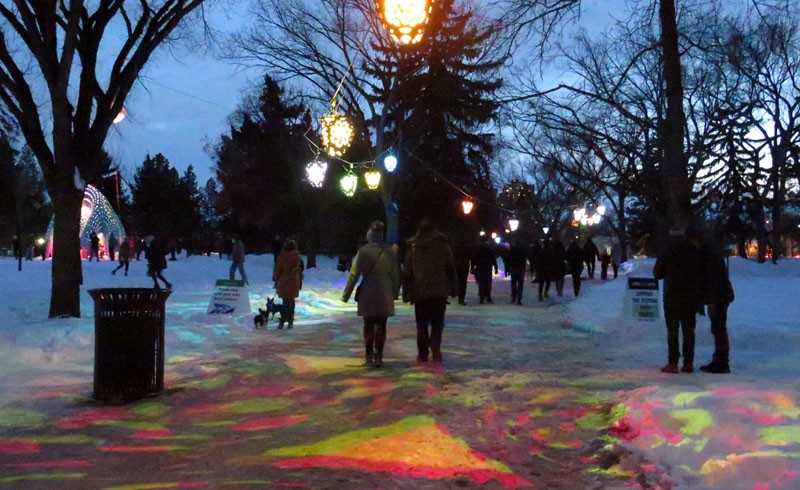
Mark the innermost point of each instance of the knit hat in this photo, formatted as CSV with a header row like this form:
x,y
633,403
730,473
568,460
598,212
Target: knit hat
x,y
375,233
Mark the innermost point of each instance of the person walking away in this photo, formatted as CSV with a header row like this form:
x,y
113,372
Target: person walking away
x,y
94,247
380,286
616,258
605,260
516,262
678,265
545,265
575,262
288,277
237,260
533,252
124,256
156,260
559,266
718,295
590,254
430,271
112,245
461,256
483,261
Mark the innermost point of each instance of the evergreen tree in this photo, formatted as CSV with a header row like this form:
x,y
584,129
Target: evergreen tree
x,y
260,168
155,187
33,204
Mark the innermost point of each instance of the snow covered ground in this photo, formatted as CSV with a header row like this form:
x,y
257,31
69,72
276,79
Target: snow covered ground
x,y
736,431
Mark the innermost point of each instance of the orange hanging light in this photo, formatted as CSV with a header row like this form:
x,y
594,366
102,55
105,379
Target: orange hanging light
x,y
405,19
466,205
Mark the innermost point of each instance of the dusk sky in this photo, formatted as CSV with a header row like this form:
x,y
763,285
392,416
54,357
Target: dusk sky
x,y
184,103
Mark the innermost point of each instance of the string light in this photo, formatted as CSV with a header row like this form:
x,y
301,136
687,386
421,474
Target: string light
x,y
349,183
390,163
466,205
336,132
372,178
315,172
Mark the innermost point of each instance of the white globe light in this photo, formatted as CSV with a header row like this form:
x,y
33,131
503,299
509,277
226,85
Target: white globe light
x,y
513,224
315,172
390,163
601,210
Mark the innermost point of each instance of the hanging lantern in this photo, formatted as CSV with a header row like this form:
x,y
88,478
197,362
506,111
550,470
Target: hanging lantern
x,y
513,224
315,172
405,19
390,163
336,132
119,117
466,205
348,184
373,179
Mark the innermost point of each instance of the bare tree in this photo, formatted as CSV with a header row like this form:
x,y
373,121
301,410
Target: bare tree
x,y
55,82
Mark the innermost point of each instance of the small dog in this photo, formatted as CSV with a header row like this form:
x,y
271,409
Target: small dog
x,y
263,316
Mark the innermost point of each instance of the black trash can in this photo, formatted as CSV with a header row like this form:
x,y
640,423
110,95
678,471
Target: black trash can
x,y
129,342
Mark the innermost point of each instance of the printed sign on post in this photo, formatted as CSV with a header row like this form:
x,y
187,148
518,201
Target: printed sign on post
x,y
229,297
642,299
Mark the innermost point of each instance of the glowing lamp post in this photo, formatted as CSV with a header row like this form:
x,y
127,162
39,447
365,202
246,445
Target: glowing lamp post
x,y
337,133
405,19
315,173
466,206
372,178
349,183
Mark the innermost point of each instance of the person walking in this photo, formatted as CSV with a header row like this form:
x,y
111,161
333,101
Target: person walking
x,y
718,295
575,262
112,245
545,266
237,260
155,254
462,254
94,247
288,277
516,263
591,254
559,266
380,286
430,271
483,261
533,252
678,265
124,256
616,258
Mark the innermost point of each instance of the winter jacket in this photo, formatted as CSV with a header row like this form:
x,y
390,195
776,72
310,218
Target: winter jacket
x,y
590,251
559,260
155,255
483,261
680,265
575,258
288,274
717,287
429,267
381,283
546,264
516,260
237,255
124,250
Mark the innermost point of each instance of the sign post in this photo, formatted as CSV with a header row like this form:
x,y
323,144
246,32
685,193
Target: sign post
x,y
642,299
230,297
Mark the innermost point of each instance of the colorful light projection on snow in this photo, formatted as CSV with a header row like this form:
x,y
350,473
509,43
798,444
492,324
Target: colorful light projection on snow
x,y
97,215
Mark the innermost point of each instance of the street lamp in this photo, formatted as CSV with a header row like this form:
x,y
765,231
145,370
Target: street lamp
x,y
405,19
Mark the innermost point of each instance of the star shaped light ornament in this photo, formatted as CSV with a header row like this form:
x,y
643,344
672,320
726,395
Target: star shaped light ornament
x,y
405,19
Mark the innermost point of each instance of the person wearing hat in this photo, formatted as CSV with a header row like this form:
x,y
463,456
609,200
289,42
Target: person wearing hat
x,y
678,265
379,288
237,259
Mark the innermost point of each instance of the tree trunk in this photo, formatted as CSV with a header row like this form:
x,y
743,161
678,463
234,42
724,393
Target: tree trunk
x,y
67,275
674,176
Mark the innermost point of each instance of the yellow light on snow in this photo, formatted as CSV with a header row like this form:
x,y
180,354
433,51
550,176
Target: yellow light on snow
x,y
348,184
405,19
337,133
372,178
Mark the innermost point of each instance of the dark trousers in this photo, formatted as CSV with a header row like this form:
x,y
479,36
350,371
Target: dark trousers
x,y
157,275
615,268
463,275
576,283
374,335
680,318
590,268
123,263
517,281
430,313
544,287
718,314
484,289
287,311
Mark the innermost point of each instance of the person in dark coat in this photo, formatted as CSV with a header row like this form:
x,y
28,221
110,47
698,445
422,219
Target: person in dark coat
x,y
484,260
112,245
533,252
376,261
718,295
462,254
516,263
590,255
559,266
288,277
94,247
156,260
124,256
431,273
678,265
237,260
545,269
575,262
616,258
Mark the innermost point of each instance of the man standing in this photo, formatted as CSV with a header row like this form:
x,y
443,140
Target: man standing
x,y
718,295
430,271
678,265
94,247
237,260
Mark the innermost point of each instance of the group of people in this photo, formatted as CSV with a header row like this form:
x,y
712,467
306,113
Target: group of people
x,y
696,281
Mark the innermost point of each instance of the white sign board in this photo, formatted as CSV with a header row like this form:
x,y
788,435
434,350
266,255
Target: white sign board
x,y
230,297
642,299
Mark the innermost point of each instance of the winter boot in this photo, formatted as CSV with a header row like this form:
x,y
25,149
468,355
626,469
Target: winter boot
x,y
688,367
716,368
671,368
